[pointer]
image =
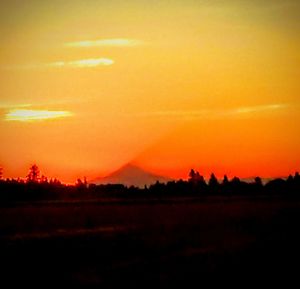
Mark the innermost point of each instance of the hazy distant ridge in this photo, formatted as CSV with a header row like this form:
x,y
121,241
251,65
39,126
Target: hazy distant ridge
x,y
131,175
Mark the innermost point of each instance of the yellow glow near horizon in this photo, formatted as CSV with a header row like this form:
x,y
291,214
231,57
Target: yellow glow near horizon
x,y
117,42
34,115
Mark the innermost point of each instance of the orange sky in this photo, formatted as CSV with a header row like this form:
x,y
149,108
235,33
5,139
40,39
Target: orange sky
x,y
87,86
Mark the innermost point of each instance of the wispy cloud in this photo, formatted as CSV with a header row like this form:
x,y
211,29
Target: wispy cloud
x,y
115,42
29,115
11,105
81,63
260,108
92,62
213,113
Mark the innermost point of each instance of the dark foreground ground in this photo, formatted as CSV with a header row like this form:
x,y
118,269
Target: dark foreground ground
x,y
183,243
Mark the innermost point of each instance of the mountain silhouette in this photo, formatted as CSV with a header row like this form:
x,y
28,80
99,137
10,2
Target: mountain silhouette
x,y
131,175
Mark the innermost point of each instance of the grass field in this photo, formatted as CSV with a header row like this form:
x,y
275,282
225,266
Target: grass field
x,y
150,243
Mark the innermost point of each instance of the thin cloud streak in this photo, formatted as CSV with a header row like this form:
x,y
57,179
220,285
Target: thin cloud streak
x,y
261,108
81,63
92,62
211,113
42,103
29,115
9,106
116,42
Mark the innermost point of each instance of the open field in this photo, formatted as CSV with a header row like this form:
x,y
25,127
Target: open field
x,y
147,244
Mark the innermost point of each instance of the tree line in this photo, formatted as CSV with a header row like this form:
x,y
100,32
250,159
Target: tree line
x,y
38,187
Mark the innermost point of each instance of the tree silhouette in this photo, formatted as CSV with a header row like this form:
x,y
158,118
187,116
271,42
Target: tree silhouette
x,y
195,177
34,174
258,181
213,181
192,175
43,179
225,180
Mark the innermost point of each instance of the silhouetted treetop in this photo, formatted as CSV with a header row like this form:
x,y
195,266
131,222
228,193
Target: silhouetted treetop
x,y
225,180
195,177
213,181
192,175
34,174
258,181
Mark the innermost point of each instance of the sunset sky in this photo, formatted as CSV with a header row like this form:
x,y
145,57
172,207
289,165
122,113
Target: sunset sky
x,y
88,86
